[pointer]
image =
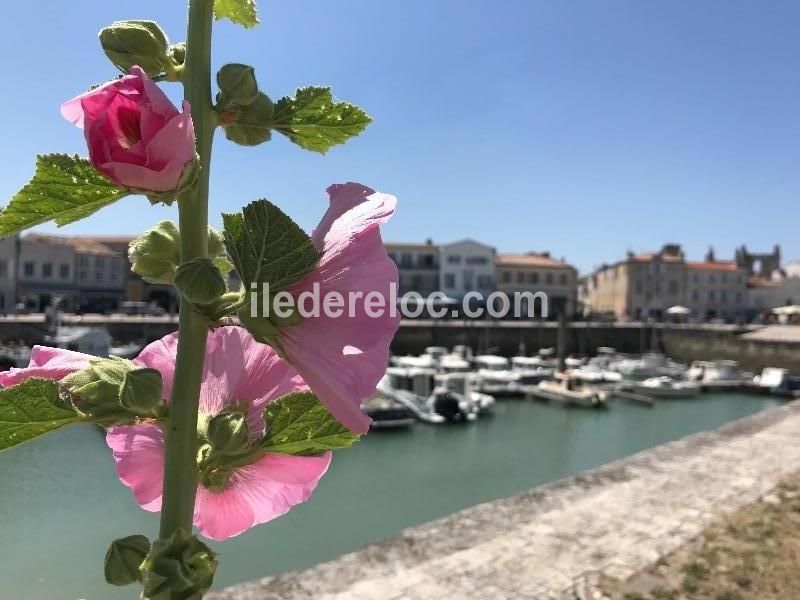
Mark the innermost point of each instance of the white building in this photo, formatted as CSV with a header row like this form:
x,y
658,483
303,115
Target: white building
x,y
466,266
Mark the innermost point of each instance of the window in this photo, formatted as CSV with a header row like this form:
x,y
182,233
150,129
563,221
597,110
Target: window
x,y
416,282
723,296
672,287
426,260
47,270
98,275
454,259
28,267
712,279
63,271
638,286
520,277
405,260
484,281
548,278
506,276
533,277
449,280
477,260
83,261
82,275
114,276
724,278
711,296
99,262
695,295
562,279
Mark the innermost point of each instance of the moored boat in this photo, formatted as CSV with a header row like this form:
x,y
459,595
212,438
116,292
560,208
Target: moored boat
x,y
666,387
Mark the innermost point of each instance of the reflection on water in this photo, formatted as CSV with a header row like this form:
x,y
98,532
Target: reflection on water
x,y
61,503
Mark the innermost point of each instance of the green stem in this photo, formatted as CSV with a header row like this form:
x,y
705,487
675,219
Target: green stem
x,y
180,465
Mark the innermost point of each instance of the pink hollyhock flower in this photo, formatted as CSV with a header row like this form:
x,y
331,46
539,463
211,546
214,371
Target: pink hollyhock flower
x,y
47,363
237,370
136,136
343,358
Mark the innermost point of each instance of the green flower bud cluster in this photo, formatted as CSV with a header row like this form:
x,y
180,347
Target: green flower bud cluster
x,y
224,444
142,43
178,568
200,281
114,391
156,254
245,112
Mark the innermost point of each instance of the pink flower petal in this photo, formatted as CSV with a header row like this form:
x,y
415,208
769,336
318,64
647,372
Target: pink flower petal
x,y
258,493
47,363
343,358
139,453
160,355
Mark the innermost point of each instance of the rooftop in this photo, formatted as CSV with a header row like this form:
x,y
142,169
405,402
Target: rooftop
x,y
717,265
531,259
81,245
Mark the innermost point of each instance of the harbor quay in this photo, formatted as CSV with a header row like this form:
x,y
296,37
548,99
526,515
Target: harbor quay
x,y
560,540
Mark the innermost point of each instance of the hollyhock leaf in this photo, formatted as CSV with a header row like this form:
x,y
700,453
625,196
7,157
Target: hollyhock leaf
x,y
29,410
299,424
64,189
313,120
241,12
266,246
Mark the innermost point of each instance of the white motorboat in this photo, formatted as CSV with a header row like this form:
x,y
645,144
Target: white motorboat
x,y
460,385
494,375
387,413
454,363
719,375
414,388
778,382
572,362
666,387
529,370
648,365
593,372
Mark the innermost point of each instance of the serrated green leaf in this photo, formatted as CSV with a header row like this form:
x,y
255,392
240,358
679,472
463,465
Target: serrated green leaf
x,y
313,120
29,410
64,189
241,12
266,246
299,424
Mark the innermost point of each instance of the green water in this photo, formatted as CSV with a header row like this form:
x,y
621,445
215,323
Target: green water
x,y
61,503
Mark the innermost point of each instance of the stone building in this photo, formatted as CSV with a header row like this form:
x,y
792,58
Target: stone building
x,y
642,285
9,254
86,274
418,266
539,272
716,288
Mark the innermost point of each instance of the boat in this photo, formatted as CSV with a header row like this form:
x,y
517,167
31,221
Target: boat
x,y
494,375
387,413
572,362
529,370
648,365
666,387
460,385
87,340
414,388
454,363
129,351
777,382
595,372
719,375
13,356
570,391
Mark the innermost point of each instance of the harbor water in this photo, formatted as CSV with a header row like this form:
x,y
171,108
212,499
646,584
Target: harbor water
x,y
61,502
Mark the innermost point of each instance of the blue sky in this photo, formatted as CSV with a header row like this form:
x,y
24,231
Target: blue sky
x,y
583,128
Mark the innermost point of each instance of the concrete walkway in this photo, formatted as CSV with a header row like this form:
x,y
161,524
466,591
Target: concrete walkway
x,y
556,540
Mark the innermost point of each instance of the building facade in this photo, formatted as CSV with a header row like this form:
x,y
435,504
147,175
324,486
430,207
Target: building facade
x,y
539,272
466,266
716,289
9,255
85,274
417,265
641,286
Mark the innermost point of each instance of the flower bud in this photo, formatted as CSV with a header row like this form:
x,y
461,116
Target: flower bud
x,y
141,391
252,125
179,567
124,558
199,281
177,53
227,433
237,84
136,43
156,253
216,243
